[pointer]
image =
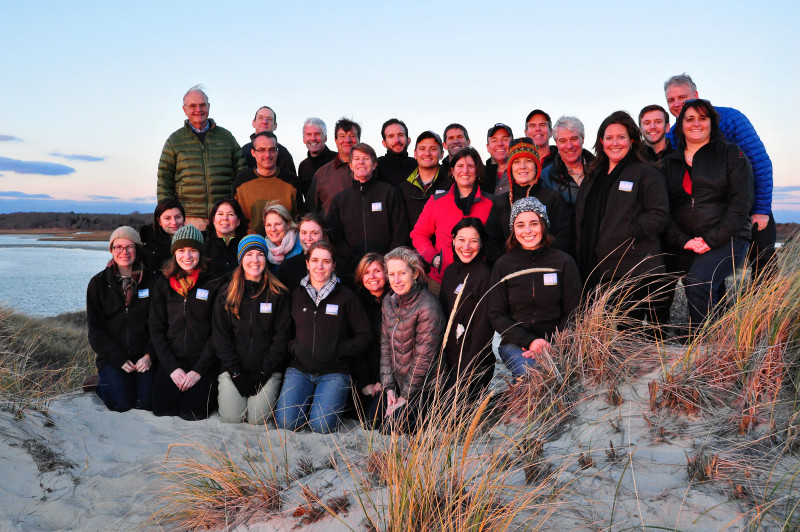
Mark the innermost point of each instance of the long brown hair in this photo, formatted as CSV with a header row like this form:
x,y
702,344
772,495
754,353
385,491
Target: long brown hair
x,y
236,288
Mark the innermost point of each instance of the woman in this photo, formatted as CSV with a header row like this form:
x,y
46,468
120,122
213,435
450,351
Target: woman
x,y
180,329
527,309
620,212
250,332
281,235
411,335
710,185
168,217
431,234
310,229
468,346
117,306
371,289
332,333
227,228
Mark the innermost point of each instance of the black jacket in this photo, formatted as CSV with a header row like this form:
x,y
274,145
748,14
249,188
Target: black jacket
x,y
373,307
367,217
722,196
285,159
395,168
309,166
489,181
415,197
118,333
257,339
156,244
223,256
180,329
331,338
533,305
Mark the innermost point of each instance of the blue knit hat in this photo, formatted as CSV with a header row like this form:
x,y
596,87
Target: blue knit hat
x,y
251,242
187,236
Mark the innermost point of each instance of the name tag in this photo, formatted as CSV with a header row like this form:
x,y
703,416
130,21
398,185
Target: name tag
x,y
332,310
202,293
550,279
377,206
439,191
459,288
143,293
625,186
266,308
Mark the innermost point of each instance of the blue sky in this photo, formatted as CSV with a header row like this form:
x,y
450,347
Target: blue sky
x,y
91,91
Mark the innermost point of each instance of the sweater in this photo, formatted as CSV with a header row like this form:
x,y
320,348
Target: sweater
x,y
253,192
309,166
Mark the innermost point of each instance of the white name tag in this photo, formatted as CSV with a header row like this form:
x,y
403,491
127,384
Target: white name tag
x,y
143,293
625,186
332,310
550,279
266,308
439,191
202,293
377,206
459,331
459,288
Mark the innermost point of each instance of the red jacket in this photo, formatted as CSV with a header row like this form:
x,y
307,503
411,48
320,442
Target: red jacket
x,y
431,234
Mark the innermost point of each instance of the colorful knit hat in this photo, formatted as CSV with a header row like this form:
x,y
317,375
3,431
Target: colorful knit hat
x,y
187,236
529,204
524,147
126,232
251,242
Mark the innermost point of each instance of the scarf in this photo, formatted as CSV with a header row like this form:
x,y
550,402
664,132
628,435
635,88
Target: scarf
x,y
184,284
128,285
318,295
465,204
277,252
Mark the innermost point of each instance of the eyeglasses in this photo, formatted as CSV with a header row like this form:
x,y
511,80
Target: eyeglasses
x,y
271,151
120,249
195,106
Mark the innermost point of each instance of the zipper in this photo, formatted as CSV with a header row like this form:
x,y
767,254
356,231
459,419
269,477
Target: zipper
x,y
314,339
364,217
185,331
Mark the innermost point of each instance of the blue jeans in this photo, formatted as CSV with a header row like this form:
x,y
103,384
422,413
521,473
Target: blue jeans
x,y
316,400
705,275
121,391
518,365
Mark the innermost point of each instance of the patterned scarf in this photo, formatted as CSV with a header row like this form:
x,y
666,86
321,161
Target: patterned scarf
x,y
184,285
318,295
128,285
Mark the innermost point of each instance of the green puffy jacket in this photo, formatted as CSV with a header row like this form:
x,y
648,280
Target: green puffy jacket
x,y
197,174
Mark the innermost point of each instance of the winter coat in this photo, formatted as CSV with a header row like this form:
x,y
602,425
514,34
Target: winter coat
x,y
374,308
411,335
415,197
156,245
393,168
222,255
556,177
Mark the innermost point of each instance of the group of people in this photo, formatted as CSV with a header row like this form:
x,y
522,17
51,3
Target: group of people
x,y
299,296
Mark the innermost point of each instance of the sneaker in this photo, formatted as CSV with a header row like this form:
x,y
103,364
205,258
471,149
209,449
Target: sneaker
x,y
90,384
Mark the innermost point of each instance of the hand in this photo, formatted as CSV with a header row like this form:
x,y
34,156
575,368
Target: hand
x,y
128,367
390,398
190,380
760,221
536,348
437,261
143,364
371,389
398,403
178,376
698,245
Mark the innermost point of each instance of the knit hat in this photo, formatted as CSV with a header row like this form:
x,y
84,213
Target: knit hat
x,y
524,147
126,232
187,236
529,204
249,243
495,128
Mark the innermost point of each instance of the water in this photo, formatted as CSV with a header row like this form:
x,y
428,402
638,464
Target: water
x,y
47,278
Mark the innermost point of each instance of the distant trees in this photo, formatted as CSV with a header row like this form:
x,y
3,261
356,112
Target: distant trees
x,y
71,221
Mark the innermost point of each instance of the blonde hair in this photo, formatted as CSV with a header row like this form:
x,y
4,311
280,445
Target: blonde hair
x,y
412,260
280,210
236,288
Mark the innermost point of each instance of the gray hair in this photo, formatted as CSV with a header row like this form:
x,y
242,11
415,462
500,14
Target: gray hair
x,y
569,123
316,122
281,211
412,260
680,79
196,88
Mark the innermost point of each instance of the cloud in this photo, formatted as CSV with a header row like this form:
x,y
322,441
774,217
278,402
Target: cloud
x,y
145,199
8,138
34,167
18,194
105,198
76,157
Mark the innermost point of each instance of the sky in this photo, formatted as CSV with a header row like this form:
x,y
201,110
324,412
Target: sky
x,y
91,90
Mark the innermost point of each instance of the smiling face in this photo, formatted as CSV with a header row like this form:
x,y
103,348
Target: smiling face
x,y
362,165
467,244
345,140
401,277
464,173
528,230
265,152
123,251
171,220
676,95
196,107
570,145
275,227
428,153
309,233
454,140
225,221
653,127
616,144
396,140
253,264
314,139
696,127
374,278
538,130
523,171
320,267
264,120
497,145
187,258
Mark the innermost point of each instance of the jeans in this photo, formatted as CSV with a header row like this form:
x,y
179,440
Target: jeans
x,y
318,400
518,365
762,252
257,409
706,273
121,391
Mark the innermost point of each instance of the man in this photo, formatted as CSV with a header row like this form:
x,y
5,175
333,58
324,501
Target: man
x,y
394,167
654,124
199,161
568,170
736,128
333,177
267,182
539,127
265,121
455,138
427,179
368,215
497,140
315,135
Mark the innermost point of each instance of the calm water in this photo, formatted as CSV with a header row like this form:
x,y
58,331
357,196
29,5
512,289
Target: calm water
x,y
47,278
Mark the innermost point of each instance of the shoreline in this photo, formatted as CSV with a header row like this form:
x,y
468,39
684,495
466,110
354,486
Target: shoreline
x,y
60,234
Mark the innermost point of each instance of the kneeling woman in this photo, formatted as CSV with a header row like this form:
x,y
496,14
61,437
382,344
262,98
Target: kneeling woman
x,y
117,306
332,334
180,329
528,308
251,331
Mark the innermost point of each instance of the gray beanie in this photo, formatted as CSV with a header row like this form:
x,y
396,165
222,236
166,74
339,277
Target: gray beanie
x,y
528,205
187,236
126,232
